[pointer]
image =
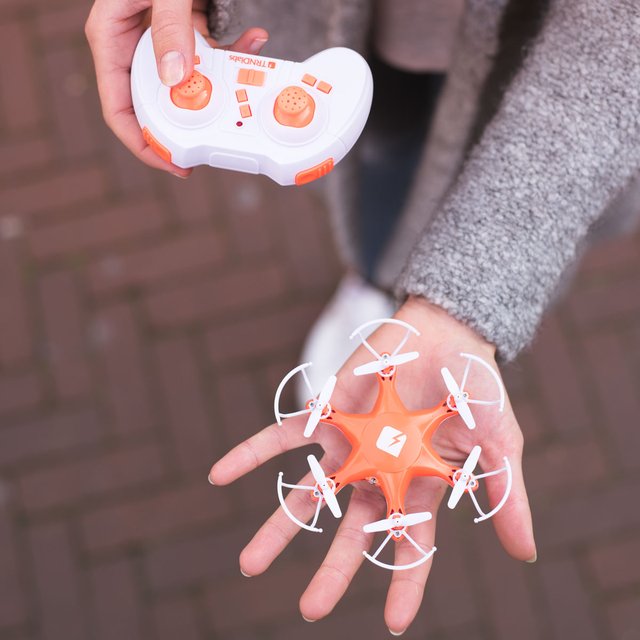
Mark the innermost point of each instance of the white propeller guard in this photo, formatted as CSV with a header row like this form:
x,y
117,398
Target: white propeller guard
x,y
285,508
395,358
424,555
276,401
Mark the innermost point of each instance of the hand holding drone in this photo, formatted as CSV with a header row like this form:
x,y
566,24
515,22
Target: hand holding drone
x,y
401,425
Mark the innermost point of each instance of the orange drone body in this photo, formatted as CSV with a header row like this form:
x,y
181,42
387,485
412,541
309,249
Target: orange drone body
x,y
391,445
370,459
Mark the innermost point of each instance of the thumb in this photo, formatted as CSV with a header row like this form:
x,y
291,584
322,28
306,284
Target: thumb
x,y
173,39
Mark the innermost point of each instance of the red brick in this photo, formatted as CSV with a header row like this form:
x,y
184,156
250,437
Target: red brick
x,y
19,392
161,262
60,22
63,191
67,85
606,301
24,154
196,199
450,599
59,583
558,380
358,620
57,432
154,517
176,618
567,600
603,511
65,333
241,408
15,323
617,393
273,595
127,385
613,257
249,214
92,476
13,604
20,97
99,230
243,289
305,238
260,336
117,601
565,469
132,178
615,564
510,605
195,442
178,564
624,618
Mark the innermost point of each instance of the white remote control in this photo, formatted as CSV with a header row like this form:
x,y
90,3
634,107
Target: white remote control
x,y
292,121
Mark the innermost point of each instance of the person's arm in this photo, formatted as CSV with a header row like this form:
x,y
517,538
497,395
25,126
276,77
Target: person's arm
x,y
565,139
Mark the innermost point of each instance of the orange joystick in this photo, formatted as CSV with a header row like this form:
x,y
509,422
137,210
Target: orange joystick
x,y
194,93
294,107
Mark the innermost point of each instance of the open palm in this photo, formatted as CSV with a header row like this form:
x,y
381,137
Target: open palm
x,y
419,385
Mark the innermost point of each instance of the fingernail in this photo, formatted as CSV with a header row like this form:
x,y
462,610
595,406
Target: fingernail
x,y
179,175
396,633
533,559
246,575
256,45
171,68
307,619
211,481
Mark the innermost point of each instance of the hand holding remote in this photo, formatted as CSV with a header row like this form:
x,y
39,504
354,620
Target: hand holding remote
x,y
114,28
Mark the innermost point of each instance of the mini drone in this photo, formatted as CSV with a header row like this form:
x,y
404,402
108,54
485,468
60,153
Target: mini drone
x,y
391,445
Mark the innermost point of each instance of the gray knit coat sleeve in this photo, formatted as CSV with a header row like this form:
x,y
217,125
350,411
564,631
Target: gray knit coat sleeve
x,y
564,141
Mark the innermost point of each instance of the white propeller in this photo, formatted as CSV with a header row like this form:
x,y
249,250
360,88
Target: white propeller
x,y
385,362
459,397
465,475
319,406
397,520
323,485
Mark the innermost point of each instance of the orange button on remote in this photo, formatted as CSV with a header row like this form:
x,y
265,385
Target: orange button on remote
x,y
308,175
323,86
241,95
194,93
308,79
245,110
252,77
294,107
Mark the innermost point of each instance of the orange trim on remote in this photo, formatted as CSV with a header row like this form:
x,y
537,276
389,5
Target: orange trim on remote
x,y
313,173
159,149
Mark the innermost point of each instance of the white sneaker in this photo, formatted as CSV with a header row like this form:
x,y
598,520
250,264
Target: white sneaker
x,y
327,346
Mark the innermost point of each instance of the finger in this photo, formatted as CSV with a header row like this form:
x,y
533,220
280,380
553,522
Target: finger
x,y
344,557
251,41
173,39
259,448
114,88
513,523
407,586
278,531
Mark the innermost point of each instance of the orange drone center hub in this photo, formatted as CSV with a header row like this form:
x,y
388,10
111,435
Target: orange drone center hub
x,y
391,442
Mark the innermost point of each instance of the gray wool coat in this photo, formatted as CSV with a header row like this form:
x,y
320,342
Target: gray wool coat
x,y
533,151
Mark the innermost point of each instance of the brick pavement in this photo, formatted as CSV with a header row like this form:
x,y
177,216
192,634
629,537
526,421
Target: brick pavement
x,y
144,322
